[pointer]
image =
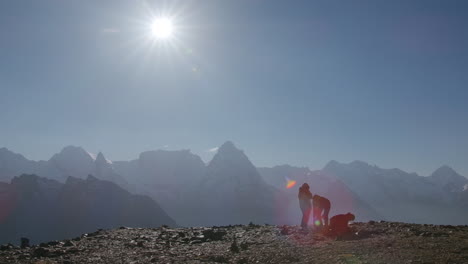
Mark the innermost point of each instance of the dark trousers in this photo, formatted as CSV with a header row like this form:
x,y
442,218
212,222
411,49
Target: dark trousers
x,y
305,216
321,218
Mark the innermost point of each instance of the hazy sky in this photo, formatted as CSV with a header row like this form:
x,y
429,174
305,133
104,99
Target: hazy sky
x,y
298,82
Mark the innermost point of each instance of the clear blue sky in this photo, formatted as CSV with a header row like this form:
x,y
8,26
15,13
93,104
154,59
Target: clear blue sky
x,y
298,82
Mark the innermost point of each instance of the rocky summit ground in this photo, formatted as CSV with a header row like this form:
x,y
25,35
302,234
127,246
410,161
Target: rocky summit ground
x,y
373,242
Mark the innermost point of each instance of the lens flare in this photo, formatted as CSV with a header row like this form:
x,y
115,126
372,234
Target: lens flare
x,y
8,198
290,183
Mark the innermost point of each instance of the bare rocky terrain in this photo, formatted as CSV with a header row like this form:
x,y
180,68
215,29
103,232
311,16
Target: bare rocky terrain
x,y
373,242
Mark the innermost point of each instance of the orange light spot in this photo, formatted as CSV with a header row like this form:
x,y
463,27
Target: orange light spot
x,y
290,184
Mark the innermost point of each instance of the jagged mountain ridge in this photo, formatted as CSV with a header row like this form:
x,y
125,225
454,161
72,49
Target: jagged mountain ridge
x,y
70,161
449,179
13,164
234,191
178,179
228,190
398,195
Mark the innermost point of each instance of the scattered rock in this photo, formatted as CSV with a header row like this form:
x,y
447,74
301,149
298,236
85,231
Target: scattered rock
x,y
53,243
69,243
244,246
242,261
72,250
284,230
218,259
132,243
378,243
234,247
6,247
41,252
213,235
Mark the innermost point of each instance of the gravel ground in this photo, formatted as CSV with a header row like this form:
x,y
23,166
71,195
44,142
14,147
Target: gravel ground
x,y
373,242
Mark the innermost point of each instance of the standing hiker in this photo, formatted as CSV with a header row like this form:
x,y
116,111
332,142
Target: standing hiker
x,y
305,197
321,210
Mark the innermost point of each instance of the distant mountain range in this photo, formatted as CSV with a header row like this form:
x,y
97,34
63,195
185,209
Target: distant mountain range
x,y
42,209
71,161
406,197
231,190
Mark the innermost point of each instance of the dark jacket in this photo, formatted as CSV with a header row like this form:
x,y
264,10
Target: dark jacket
x,y
305,197
321,202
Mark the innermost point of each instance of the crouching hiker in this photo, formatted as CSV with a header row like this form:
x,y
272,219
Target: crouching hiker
x,y
339,224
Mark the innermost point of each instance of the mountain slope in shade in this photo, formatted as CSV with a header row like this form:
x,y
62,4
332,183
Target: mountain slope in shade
x,y
463,197
169,177
162,168
104,170
342,199
43,209
448,179
73,161
397,195
233,191
13,164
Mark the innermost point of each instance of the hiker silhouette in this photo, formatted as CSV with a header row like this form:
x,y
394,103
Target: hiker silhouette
x,y
339,223
321,210
305,197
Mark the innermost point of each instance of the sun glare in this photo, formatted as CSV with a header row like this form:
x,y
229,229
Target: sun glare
x,y
162,28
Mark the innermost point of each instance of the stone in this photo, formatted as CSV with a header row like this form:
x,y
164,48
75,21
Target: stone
x,y
69,243
6,247
213,235
284,230
53,243
41,252
234,247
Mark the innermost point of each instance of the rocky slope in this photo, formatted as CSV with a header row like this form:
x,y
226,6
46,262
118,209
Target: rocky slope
x,y
373,242
169,177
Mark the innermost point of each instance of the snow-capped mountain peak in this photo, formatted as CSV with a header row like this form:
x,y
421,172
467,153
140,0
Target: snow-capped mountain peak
x,y
445,172
449,179
231,165
101,159
74,152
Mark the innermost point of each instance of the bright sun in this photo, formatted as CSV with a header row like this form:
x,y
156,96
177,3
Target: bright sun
x,y
162,28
